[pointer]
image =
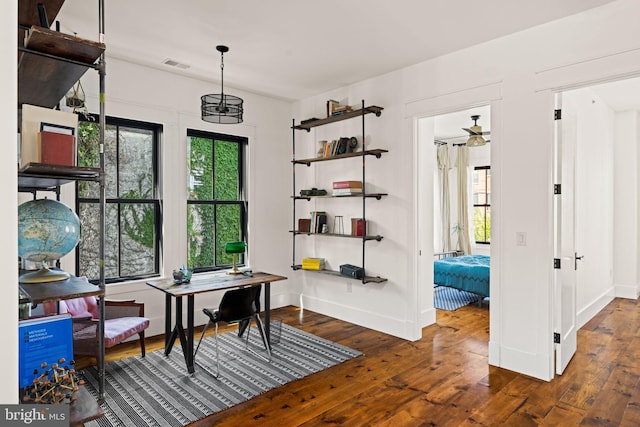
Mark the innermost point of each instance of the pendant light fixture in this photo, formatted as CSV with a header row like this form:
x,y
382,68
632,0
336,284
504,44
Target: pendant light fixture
x,y
218,107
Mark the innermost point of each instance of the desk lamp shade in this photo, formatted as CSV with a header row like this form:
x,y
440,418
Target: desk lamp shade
x,y
235,248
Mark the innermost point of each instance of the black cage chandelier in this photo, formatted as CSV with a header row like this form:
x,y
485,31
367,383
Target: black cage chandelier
x,y
218,107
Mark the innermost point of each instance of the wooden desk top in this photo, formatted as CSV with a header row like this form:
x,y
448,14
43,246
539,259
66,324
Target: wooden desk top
x,y
213,282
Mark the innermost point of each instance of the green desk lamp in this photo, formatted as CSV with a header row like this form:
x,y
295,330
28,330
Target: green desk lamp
x,y
235,248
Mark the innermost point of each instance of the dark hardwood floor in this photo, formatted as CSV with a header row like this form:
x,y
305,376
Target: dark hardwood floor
x,y
444,379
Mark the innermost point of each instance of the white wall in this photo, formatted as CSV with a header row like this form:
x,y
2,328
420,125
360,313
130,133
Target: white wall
x,y
8,177
626,204
518,75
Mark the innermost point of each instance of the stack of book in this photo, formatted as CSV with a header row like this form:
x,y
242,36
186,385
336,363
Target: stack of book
x,y
313,263
347,188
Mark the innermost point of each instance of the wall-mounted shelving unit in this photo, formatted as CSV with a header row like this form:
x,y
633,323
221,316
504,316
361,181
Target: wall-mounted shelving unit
x,y
307,125
49,64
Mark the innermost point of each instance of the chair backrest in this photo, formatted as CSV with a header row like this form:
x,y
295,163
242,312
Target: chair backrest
x,y
77,307
239,304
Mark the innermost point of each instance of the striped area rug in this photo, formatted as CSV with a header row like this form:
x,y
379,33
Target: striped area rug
x,y
451,299
158,391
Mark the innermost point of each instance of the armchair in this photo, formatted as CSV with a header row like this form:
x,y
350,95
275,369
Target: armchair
x,y
123,319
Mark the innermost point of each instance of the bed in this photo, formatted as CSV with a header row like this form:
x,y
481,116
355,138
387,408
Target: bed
x,y
467,272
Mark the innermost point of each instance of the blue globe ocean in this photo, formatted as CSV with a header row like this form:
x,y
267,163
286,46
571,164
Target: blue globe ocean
x,y
47,230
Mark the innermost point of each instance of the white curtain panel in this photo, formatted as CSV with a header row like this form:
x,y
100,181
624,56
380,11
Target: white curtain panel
x,y
444,165
462,165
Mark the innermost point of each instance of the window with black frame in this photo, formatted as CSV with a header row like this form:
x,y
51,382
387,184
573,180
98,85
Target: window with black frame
x,y
482,204
216,203
132,214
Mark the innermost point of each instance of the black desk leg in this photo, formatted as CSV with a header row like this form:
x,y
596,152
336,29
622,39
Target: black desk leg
x,y
169,334
188,354
179,329
267,311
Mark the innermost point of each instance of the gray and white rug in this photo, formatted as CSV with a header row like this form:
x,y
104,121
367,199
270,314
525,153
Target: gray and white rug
x,y
451,299
158,391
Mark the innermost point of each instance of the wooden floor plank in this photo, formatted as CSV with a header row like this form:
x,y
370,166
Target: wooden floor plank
x,y
444,378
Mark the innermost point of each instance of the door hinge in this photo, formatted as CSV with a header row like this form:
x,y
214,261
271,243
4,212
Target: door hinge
x,y
557,114
556,263
557,188
556,338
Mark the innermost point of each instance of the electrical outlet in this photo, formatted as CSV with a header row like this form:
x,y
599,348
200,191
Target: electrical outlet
x,y
521,238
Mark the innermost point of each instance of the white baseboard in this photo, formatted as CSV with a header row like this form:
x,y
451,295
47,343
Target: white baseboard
x,y
533,364
593,308
626,291
396,326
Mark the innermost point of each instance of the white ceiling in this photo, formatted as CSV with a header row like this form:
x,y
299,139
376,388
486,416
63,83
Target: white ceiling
x,y
294,49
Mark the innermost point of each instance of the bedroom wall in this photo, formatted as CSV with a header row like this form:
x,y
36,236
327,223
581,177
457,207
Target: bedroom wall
x,y
520,87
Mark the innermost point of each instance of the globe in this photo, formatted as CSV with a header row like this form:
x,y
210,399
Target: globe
x,y
47,231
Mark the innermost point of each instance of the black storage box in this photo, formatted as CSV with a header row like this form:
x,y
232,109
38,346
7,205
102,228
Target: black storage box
x,y
352,271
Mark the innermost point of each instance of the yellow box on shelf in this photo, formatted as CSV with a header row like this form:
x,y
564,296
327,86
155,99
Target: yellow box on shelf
x,y
312,263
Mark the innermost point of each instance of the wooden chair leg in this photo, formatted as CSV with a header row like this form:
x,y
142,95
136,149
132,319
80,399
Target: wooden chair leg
x,y
142,348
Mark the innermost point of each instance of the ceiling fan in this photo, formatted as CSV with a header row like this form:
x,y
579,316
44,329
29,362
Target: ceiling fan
x,y
475,133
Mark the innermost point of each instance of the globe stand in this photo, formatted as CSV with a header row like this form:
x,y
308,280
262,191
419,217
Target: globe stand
x,y
44,275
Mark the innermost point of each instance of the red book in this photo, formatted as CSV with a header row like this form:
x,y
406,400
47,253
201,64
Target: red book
x,y
57,148
347,184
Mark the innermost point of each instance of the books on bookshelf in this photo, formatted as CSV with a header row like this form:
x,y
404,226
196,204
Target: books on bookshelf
x,y
313,263
346,188
318,221
42,340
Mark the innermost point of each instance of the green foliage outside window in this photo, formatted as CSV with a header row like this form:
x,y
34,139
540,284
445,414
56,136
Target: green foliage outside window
x,y
214,210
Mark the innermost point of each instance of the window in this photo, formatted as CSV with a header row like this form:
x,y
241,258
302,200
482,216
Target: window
x,y
482,204
132,216
216,204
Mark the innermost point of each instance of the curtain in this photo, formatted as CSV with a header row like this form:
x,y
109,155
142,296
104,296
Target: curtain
x,y
462,164
443,173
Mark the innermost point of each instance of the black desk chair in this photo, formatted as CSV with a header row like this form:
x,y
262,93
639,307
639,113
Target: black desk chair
x,y
237,306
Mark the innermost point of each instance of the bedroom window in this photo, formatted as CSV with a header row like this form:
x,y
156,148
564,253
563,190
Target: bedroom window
x,y
482,204
216,202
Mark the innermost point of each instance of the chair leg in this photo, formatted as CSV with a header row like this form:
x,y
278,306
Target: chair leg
x,y
142,347
200,340
263,335
217,354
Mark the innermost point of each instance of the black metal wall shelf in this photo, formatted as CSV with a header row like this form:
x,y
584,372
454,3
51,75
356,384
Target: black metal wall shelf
x,y
364,196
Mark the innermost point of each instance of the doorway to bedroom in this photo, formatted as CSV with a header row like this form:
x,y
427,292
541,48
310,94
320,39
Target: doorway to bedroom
x,y
461,146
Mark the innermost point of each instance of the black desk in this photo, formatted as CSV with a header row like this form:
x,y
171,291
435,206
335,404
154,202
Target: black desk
x,y
200,284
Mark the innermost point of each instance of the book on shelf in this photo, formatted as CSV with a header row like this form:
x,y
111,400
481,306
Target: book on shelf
x,y
36,119
304,225
57,148
358,227
347,184
47,339
346,191
313,263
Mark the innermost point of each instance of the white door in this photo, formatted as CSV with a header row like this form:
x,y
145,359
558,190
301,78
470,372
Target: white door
x,y
565,330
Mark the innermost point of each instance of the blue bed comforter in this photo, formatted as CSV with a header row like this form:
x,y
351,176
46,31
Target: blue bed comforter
x,y
468,272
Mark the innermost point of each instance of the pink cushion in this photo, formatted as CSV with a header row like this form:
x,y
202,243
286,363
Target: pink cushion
x,y
115,330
